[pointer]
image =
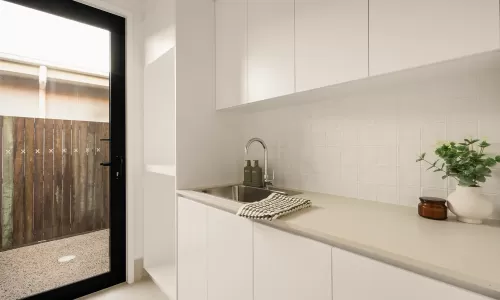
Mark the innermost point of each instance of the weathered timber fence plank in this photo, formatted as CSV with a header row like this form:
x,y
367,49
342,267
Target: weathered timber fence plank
x,y
29,169
1,180
75,196
48,199
38,181
106,175
90,210
99,219
19,153
58,178
82,186
67,178
7,182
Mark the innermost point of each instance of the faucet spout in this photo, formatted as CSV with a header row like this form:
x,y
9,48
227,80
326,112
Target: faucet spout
x,y
267,181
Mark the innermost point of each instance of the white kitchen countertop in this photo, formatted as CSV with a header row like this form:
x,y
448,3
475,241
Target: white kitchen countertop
x,y
464,255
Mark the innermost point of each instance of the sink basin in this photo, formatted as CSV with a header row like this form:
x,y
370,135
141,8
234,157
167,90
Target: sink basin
x,y
242,193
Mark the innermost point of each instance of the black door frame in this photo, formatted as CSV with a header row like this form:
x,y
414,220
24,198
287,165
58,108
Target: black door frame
x,y
116,26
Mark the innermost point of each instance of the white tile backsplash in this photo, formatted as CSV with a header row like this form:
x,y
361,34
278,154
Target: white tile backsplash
x,y
365,145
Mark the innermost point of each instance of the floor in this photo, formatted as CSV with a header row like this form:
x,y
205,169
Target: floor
x,y
33,269
142,290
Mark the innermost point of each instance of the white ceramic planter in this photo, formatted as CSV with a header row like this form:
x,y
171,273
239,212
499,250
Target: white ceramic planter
x,y
469,205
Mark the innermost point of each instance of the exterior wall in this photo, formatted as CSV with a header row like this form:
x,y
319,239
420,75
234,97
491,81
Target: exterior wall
x,y
83,103
19,97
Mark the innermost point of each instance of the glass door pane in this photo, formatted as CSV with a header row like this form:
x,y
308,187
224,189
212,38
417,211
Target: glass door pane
x,y
54,135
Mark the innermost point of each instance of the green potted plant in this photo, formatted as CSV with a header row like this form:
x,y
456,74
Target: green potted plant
x,y
466,163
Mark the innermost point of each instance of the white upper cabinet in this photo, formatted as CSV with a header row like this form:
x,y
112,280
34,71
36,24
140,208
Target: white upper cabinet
x,y
231,52
357,277
230,256
290,267
191,250
410,33
331,42
271,69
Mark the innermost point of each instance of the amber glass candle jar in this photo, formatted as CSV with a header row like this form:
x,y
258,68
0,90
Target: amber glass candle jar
x,y
433,208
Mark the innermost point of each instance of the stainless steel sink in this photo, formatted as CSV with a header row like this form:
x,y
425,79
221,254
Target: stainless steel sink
x,y
242,193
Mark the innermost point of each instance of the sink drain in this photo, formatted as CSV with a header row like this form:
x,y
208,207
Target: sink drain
x,y
66,259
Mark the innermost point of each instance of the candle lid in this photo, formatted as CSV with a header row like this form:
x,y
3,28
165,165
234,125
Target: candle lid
x,y
432,199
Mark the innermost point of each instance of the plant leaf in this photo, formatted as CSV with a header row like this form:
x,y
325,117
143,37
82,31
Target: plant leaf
x,y
444,177
484,144
497,158
490,162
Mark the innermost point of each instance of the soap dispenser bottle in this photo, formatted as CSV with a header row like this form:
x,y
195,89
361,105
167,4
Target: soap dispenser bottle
x,y
256,174
247,175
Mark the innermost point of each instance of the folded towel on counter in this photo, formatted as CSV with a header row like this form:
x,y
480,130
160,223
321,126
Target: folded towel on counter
x,y
273,207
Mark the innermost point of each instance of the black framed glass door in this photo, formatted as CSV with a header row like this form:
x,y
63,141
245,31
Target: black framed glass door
x,y
62,127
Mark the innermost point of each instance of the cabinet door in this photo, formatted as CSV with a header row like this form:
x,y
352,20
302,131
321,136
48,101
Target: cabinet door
x,y
290,267
409,33
357,277
231,52
331,42
191,250
270,49
230,256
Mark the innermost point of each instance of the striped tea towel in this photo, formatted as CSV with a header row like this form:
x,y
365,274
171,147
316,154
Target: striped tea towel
x,y
273,207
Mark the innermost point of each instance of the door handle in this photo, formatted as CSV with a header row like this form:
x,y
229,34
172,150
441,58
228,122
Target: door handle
x,y
121,161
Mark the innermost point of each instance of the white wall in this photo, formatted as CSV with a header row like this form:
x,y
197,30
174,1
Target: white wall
x,y
159,132
208,143
365,145
159,83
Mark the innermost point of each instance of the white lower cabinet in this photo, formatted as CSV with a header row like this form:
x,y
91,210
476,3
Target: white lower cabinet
x,y
356,277
289,267
215,253
230,256
191,250
225,257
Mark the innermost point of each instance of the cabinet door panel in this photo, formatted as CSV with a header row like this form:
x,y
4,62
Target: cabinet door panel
x,y
191,250
357,277
271,70
331,42
231,53
290,267
230,256
408,33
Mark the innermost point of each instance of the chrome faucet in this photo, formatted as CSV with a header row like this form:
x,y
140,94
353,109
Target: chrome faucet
x,y
267,180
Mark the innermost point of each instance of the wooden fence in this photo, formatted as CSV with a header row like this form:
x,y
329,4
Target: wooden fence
x,y
52,182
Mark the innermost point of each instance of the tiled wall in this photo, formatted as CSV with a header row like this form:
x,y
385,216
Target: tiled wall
x,y
365,145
